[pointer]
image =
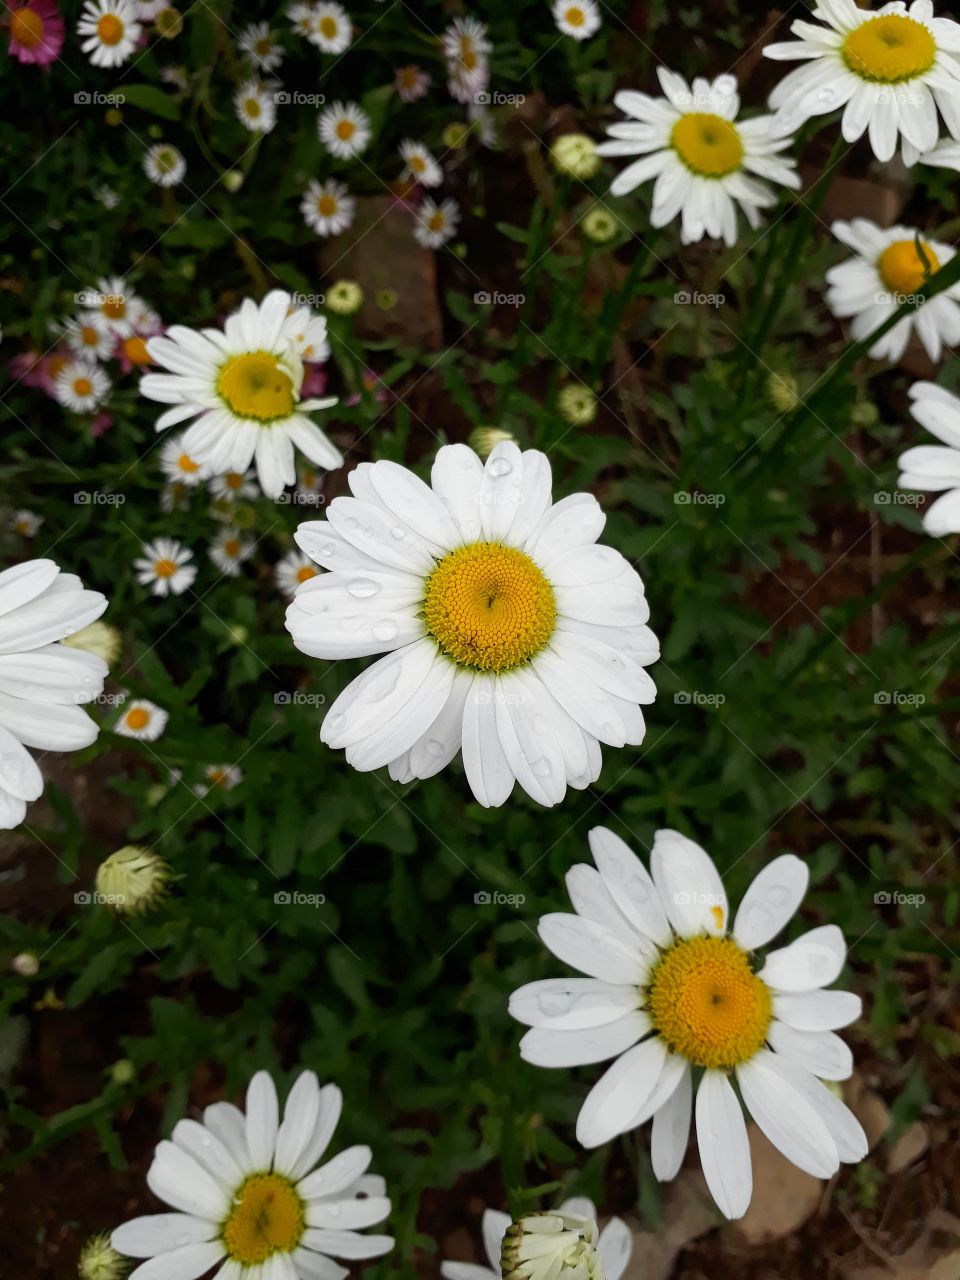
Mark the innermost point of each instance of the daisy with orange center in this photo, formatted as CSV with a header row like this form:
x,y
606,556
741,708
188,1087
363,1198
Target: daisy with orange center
x,y
331,29
166,566
81,386
110,30
179,465
141,719
344,130
292,571
328,207
436,223
577,18
255,106
229,550
36,32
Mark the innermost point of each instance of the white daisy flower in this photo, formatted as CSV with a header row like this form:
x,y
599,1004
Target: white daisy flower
x,y
887,271
237,486
331,29
420,164
81,386
436,223
260,47
89,336
243,386
111,28
26,523
615,1243
164,165
222,777
301,16
509,634
411,83
175,497
255,107
166,566
889,69
577,18
672,989
42,681
945,155
111,301
143,319
229,550
935,468
466,48
292,571
178,465
344,130
248,1194
327,207
141,719
705,165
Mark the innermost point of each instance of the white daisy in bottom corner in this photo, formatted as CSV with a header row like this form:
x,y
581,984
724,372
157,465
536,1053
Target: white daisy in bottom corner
x,y
673,991
706,163
509,634
249,1197
890,269
935,468
614,1244
42,681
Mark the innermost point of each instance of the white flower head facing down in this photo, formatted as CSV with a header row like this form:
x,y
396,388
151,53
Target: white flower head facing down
x,y
242,385
890,69
551,1246
509,634
706,163
891,266
672,989
248,1194
43,682
614,1244
935,468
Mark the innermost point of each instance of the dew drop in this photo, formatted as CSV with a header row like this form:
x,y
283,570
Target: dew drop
x,y
385,630
435,746
500,467
363,588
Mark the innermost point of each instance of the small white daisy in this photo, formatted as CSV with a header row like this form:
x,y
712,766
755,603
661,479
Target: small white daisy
x,y
166,566
331,29
466,48
301,16
327,207
26,523
294,569
229,550
89,336
705,164
249,1197
889,69
175,497
673,990
344,130
81,386
255,107
178,465
237,486
420,164
577,18
935,468
436,223
143,319
219,777
887,271
164,164
111,29
411,83
141,719
111,302
260,47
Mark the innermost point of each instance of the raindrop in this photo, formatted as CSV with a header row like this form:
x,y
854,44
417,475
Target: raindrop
x,y
335,721
363,588
542,767
555,1003
385,630
435,746
500,467
398,533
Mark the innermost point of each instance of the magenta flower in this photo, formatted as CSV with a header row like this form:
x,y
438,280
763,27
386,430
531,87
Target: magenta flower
x,y
36,31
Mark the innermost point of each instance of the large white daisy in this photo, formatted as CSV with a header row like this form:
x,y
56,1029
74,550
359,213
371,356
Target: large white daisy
x,y
705,162
243,387
673,990
935,468
249,1197
887,271
890,69
510,634
42,681
614,1245
109,31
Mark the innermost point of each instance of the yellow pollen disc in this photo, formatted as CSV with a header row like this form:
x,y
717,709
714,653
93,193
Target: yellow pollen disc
x,y
707,144
902,269
889,48
326,206
708,1004
233,480
328,27
255,386
82,386
89,335
436,221
26,28
574,17
186,463
137,718
346,129
165,568
489,607
417,164
110,29
469,58
232,548
114,308
266,1218
135,349
306,573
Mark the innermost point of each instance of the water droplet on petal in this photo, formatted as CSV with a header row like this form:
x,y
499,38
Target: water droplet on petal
x,y
500,467
385,630
363,588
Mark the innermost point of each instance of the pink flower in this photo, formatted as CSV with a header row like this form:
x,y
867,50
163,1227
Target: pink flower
x,y
35,370
372,385
314,381
411,83
100,425
36,31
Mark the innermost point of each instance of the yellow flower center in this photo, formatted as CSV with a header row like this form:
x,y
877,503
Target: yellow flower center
x,y
135,349
346,129
436,221
574,16
252,107
82,386
232,548
326,206
186,463
26,28
707,144
110,29
266,1218
89,336
165,568
708,1004
468,56
328,27
417,164
903,270
114,308
255,385
305,573
889,48
489,607
137,718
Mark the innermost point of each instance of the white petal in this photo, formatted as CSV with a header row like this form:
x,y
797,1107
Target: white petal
x,y
568,1004
493,1225
182,1264
299,1120
347,1215
620,1092
630,884
723,1143
615,1247
689,885
328,1117
592,949
545,1047
484,760
671,1130
179,1181
813,960
817,1010
160,1232
337,1175
770,902
263,1119
820,1052
456,477
791,1124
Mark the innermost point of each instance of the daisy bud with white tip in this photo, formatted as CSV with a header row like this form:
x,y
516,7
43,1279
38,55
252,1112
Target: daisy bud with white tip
x,y
133,880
